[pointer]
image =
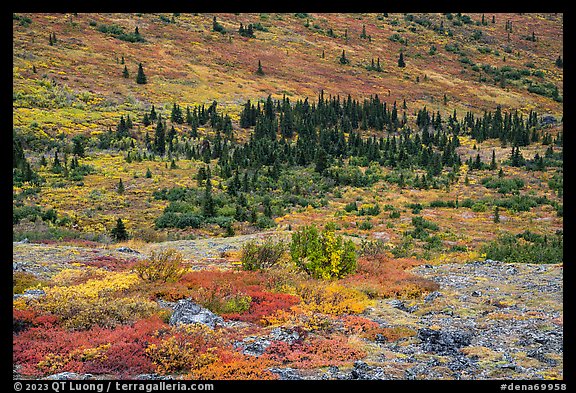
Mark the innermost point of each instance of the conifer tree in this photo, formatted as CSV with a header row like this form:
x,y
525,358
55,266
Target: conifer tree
x,y
343,59
120,187
496,214
559,62
259,71
401,62
493,162
141,78
148,173
119,231
125,73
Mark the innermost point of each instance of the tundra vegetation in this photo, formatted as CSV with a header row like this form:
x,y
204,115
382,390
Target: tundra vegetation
x,y
337,153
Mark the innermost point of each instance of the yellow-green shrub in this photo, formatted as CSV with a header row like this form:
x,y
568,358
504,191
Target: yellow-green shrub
x,y
164,266
98,301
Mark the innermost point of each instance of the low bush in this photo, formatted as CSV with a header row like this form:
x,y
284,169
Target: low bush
x,y
261,256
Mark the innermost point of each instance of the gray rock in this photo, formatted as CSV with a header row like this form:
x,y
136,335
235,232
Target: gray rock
x,y
443,342
153,377
363,371
399,304
188,312
286,373
256,346
476,293
30,294
284,334
460,363
431,296
539,355
69,376
127,249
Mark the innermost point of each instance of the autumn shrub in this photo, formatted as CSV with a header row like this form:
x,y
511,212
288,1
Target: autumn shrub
x,y
47,349
322,254
364,327
332,298
164,266
21,281
315,352
382,277
263,304
373,247
236,366
187,348
104,301
261,256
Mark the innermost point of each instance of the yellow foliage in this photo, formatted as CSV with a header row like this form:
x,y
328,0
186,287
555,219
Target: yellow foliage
x,y
97,301
333,298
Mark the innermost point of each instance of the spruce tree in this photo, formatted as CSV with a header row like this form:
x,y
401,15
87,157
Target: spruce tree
x,y
343,59
559,62
259,71
119,231
148,173
120,187
493,162
141,78
125,73
496,214
401,62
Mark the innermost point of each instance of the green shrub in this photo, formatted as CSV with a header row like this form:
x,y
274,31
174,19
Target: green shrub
x,y
322,254
264,256
533,249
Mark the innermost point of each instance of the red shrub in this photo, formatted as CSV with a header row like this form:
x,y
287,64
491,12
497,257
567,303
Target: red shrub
x,y
119,351
264,304
111,263
313,353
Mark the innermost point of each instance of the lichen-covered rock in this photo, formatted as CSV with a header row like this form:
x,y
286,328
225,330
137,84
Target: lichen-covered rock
x,y
188,312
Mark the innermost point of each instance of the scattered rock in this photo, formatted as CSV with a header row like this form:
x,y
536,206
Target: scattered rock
x,y
23,241
539,355
253,346
188,312
476,293
443,342
363,371
65,376
30,294
431,296
127,249
153,377
284,334
286,373
399,304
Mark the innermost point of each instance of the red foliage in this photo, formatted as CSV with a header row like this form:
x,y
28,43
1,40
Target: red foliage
x,y
124,356
25,319
264,304
234,281
111,263
313,353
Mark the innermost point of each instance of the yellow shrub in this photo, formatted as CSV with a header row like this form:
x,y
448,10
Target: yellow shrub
x,y
96,301
332,298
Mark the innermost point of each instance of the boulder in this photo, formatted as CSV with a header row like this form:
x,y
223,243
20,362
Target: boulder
x,y
444,342
187,312
286,373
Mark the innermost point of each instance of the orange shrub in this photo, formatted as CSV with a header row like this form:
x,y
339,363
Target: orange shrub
x,y
381,276
238,367
315,352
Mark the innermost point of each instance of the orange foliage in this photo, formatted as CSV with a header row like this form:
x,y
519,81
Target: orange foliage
x,y
381,276
315,352
236,366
